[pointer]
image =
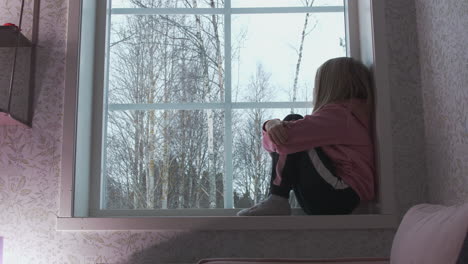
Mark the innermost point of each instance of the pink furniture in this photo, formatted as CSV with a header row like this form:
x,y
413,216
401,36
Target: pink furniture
x,y
428,234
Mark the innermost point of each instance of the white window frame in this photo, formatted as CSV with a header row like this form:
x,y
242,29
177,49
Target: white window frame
x,y
365,26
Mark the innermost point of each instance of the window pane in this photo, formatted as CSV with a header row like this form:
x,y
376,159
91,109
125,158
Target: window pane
x,y
285,3
165,159
166,59
167,4
267,49
252,164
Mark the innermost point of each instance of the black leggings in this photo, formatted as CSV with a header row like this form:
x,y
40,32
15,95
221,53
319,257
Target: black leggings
x,y
315,195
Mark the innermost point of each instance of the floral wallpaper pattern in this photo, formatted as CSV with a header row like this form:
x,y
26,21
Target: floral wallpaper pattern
x,y
443,38
30,162
406,103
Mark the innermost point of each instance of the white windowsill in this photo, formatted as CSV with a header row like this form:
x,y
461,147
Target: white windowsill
x,y
200,223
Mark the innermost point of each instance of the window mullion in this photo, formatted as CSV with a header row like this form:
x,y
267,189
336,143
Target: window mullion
x,y
209,11
167,11
287,10
199,106
228,177
352,29
103,175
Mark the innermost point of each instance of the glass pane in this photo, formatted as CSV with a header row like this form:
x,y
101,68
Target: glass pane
x,y
266,52
285,3
252,164
166,59
167,4
165,159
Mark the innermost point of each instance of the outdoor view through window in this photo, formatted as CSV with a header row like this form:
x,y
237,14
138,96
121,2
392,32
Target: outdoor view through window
x,y
182,126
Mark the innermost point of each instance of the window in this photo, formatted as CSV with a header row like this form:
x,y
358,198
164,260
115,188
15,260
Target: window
x,y
172,96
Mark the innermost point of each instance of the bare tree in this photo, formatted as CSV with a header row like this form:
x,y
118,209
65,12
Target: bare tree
x,y
163,157
305,32
252,162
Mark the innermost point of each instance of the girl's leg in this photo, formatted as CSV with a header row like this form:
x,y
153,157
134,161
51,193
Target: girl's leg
x,y
313,193
317,196
277,203
288,173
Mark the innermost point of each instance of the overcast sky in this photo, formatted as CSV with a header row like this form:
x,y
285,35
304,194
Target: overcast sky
x,y
274,39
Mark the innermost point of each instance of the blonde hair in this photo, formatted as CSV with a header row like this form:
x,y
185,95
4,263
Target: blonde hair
x,y
341,79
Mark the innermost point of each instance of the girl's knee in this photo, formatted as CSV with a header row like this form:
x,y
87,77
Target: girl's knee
x,y
292,117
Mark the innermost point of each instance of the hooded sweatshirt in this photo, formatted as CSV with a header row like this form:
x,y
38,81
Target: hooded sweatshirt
x,y
344,133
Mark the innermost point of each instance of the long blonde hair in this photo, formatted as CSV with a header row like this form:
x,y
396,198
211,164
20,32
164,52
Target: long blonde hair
x,y
341,79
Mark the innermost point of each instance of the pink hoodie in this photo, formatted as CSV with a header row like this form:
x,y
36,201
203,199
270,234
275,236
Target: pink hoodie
x,y
343,131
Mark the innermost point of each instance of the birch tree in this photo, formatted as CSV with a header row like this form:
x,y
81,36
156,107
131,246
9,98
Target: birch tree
x,y
251,160
161,59
304,33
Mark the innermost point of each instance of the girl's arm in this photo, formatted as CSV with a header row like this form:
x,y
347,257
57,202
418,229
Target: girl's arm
x,y
327,126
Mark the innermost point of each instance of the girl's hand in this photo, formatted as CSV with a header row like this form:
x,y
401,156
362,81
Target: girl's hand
x,y
277,131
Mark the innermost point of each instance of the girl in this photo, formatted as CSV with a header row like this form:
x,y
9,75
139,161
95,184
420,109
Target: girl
x,y
326,158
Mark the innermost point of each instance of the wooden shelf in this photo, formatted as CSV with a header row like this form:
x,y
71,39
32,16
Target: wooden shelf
x,y
9,38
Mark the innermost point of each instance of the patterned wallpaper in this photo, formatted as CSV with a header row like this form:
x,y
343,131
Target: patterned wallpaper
x,y
443,38
406,103
30,165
